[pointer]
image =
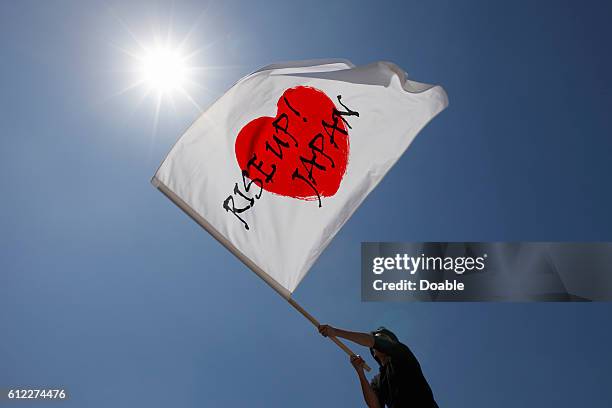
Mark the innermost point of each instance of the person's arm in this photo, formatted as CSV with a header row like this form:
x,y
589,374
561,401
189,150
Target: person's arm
x,y
364,339
369,395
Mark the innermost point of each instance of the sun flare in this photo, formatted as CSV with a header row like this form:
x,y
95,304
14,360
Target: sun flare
x,y
165,72
165,67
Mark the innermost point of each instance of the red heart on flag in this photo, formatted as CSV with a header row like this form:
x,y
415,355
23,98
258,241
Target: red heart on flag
x,y
302,152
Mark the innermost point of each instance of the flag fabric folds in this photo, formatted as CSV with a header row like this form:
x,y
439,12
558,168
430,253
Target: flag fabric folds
x,y
279,163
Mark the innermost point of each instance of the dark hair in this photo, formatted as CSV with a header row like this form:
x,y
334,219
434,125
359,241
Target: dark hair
x,y
385,332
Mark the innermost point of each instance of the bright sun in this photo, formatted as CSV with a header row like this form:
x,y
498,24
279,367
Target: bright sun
x,y
164,69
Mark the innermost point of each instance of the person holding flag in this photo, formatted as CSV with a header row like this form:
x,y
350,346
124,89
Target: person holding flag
x,y
279,163
400,382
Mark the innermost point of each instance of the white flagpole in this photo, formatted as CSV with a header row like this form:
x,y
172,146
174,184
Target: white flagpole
x,y
314,321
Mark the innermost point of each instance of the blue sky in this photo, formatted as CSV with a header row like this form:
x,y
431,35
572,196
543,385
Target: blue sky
x,y
108,290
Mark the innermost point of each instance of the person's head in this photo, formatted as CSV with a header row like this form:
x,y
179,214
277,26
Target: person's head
x,y
379,356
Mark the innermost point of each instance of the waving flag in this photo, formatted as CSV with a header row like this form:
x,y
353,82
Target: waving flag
x,y
278,164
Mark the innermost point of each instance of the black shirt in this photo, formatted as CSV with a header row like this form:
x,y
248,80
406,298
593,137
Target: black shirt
x,y
400,383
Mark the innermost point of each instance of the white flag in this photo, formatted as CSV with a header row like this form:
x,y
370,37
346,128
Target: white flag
x,y
278,164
